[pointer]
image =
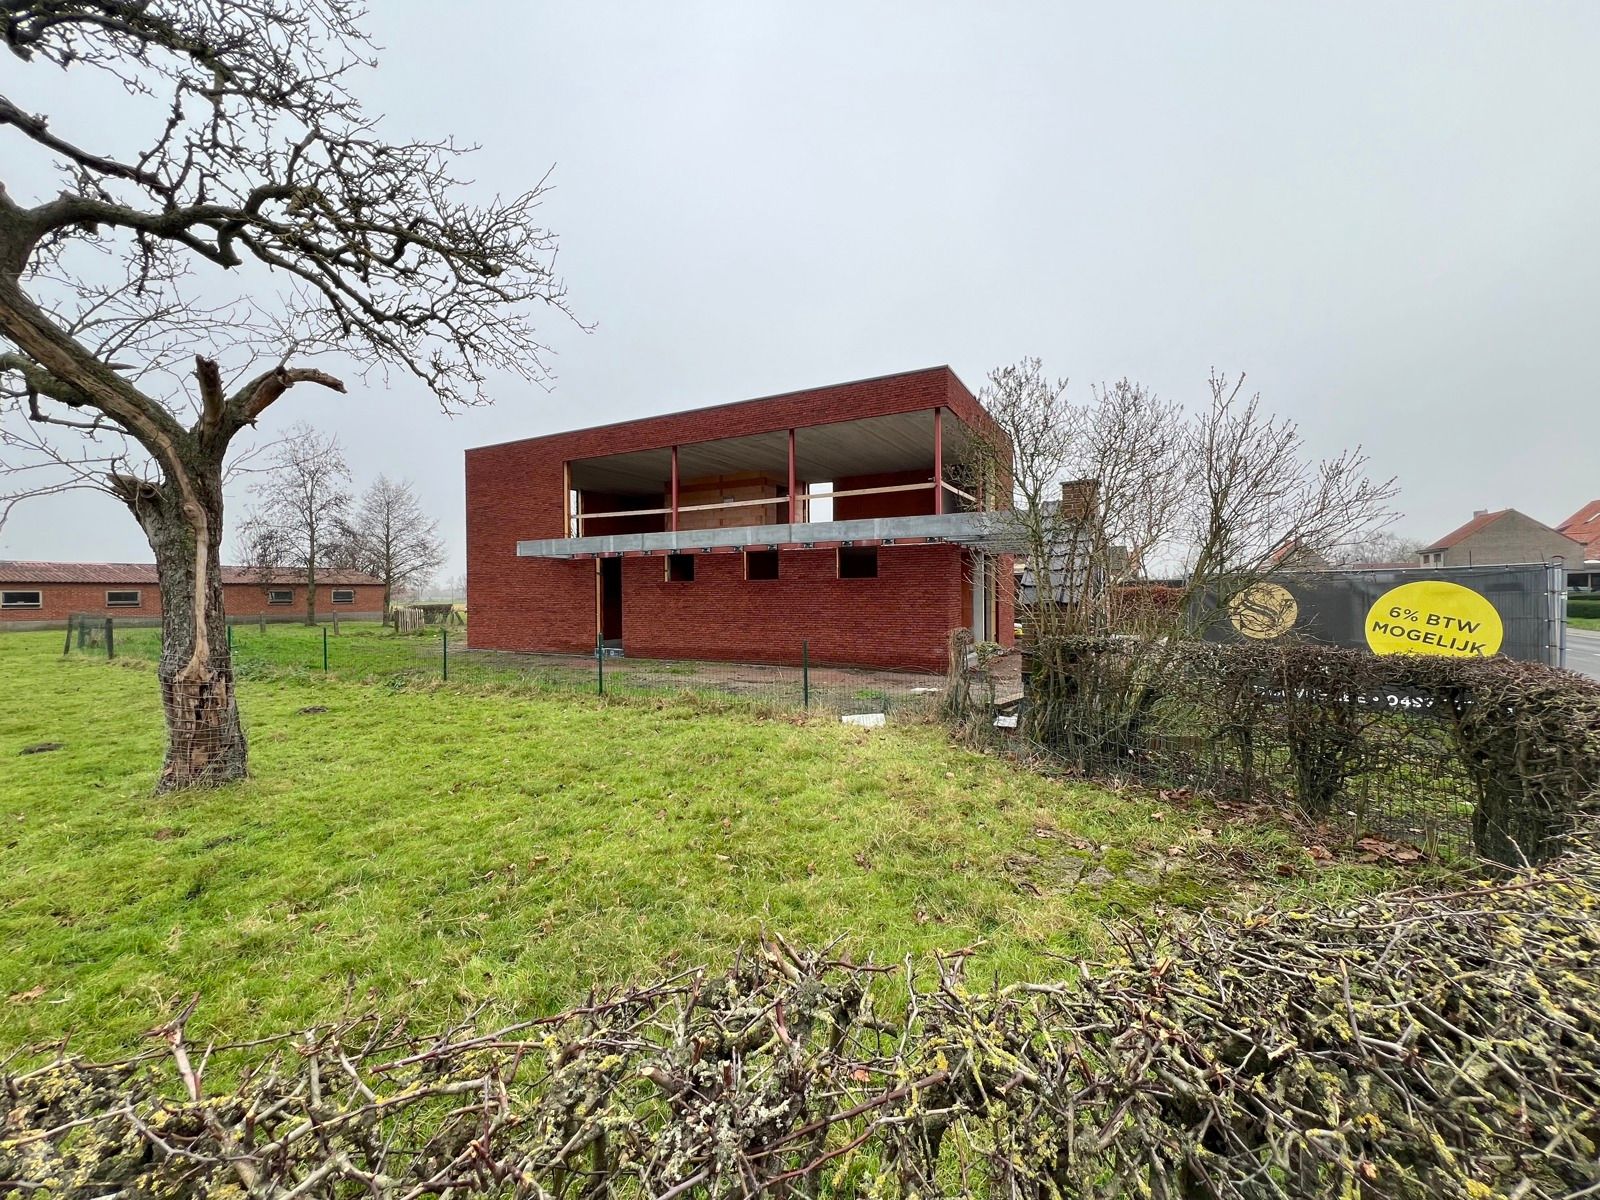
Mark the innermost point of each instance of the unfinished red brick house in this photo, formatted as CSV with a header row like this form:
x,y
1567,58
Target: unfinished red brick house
x,y
837,517
42,595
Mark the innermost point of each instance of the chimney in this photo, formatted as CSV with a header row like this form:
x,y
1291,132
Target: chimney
x,y
1480,512
1079,499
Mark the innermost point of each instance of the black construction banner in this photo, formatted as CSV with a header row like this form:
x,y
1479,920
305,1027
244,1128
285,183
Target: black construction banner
x,y
1469,612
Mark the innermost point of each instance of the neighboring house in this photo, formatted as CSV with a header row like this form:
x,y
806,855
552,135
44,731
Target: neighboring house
x,y
702,534
1079,559
1292,555
1497,538
1584,526
41,595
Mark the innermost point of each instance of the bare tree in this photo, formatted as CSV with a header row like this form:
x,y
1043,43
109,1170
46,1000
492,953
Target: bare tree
x,y
120,370
1107,491
1379,546
1257,491
302,501
390,536
262,550
1097,489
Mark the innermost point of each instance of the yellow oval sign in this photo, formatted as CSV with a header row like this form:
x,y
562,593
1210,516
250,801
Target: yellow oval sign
x,y
1263,611
1434,617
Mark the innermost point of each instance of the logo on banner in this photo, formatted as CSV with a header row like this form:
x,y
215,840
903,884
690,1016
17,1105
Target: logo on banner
x,y
1263,611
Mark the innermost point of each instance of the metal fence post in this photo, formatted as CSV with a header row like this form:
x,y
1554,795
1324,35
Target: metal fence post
x,y
111,649
805,673
600,662
67,649
324,649
444,652
230,637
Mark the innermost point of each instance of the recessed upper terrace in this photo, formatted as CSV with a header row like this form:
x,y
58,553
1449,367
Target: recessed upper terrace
x,y
897,447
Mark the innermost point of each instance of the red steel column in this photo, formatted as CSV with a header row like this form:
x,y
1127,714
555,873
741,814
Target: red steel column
x,y
938,461
674,489
793,510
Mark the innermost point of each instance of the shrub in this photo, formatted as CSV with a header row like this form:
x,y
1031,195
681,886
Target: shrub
x,y
1515,744
1583,606
1411,1046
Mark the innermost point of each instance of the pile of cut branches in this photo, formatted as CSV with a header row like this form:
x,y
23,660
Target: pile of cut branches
x,y
1415,1045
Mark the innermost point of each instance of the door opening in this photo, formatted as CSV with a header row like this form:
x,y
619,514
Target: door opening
x,y
980,593
610,614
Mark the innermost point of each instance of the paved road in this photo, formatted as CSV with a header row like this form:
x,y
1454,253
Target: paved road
x,y
1583,651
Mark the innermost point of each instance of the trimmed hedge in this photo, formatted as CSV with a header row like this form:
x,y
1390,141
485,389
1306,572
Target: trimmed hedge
x,y
1504,754
1412,1046
1583,606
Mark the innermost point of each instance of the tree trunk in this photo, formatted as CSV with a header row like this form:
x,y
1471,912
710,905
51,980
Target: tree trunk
x,y
205,742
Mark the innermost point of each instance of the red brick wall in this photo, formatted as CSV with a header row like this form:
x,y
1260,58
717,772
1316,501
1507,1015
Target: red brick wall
x,y
249,599
606,502
61,600
514,492
899,619
885,504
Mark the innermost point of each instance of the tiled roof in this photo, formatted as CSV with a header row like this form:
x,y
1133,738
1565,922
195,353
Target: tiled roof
x,y
1584,526
15,572
1481,521
59,572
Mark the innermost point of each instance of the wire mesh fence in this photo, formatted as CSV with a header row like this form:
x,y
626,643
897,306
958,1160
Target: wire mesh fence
x,y
374,652
1487,756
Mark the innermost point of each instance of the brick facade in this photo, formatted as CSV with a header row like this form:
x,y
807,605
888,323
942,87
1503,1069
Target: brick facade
x,y
1499,538
60,600
902,618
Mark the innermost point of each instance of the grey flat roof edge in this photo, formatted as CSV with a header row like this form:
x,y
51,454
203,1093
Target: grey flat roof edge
x,y
986,530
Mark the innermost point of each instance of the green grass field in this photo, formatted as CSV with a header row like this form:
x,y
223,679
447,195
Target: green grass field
x,y
423,846
360,648
370,652
1584,622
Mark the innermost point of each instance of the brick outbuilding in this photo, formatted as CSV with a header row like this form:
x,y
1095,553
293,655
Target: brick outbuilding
x,y
841,517
42,595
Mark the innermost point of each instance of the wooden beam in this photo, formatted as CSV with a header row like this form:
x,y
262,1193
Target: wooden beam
x,y
876,491
674,489
938,461
760,500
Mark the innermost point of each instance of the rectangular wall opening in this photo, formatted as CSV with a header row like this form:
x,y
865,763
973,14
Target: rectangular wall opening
x,y
680,568
122,599
858,562
611,600
760,564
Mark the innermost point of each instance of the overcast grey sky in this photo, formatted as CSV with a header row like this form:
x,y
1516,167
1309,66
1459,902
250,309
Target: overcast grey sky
x,y
1388,215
